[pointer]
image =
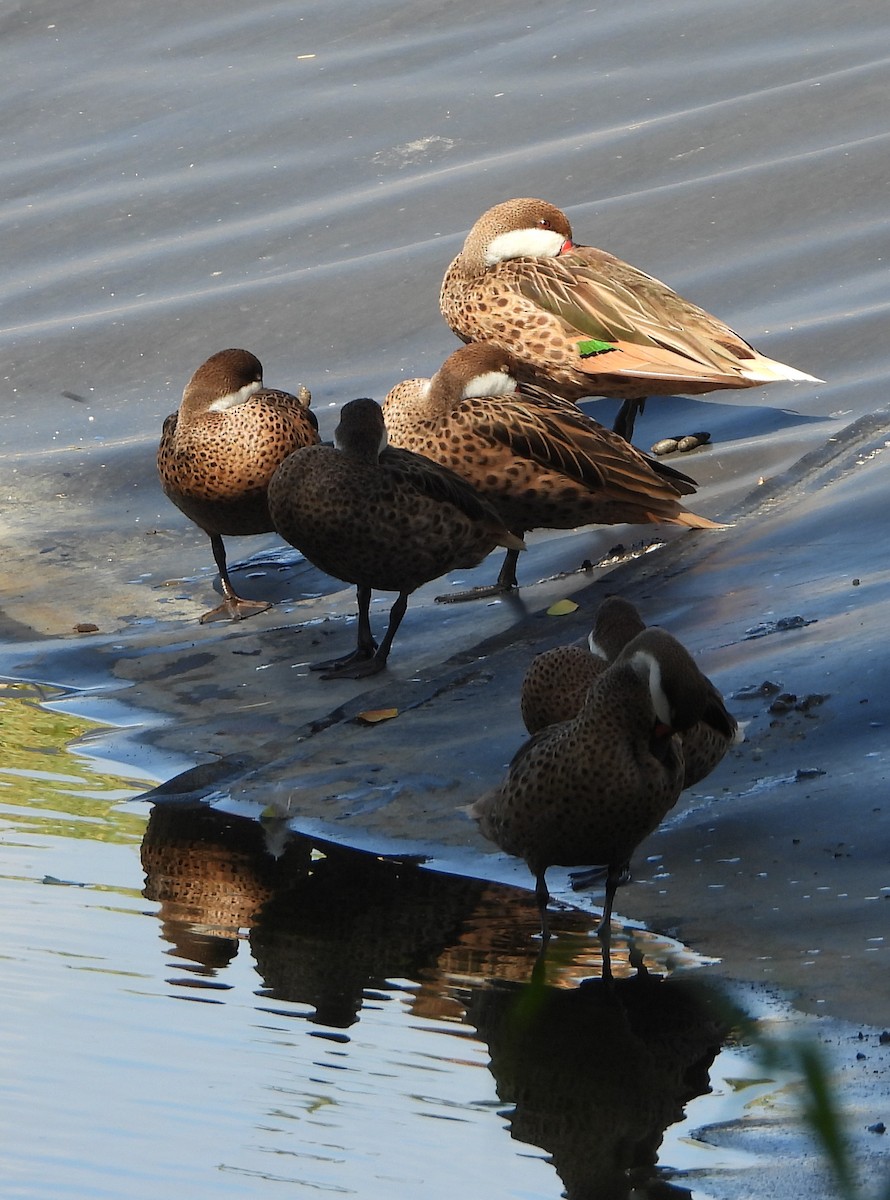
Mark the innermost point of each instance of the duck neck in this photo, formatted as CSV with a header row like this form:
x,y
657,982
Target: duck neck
x,y
360,442
198,402
433,397
627,695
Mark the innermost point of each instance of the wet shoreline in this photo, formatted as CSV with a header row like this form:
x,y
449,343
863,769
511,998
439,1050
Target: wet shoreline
x,y
757,867
277,775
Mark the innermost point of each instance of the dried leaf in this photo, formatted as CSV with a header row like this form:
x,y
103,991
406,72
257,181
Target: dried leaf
x,y
562,608
372,716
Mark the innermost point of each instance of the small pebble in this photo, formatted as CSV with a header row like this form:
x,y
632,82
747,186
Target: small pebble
x,y
784,623
878,1127
811,701
692,441
767,688
681,443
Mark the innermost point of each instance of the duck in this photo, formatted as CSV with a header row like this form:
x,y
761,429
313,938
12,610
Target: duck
x,y
557,680
590,789
537,458
219,451
582,322
381,518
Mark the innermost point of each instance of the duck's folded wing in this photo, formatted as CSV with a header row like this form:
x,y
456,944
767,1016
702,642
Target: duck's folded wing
x,y
440,483
635,324
556,436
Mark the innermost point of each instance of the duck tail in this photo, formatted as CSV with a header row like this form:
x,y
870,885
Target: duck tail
x,y
479,809
767,370
693,521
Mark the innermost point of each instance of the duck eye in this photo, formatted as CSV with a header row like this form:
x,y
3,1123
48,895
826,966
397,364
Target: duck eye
x,y
543,223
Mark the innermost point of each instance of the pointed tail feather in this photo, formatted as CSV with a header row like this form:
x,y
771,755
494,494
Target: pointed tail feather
x,y
768,370
693,521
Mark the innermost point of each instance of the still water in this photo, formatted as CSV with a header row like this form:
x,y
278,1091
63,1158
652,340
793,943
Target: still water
x,y
213,1006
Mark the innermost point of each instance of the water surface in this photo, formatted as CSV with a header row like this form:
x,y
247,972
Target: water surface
x,y
201,1002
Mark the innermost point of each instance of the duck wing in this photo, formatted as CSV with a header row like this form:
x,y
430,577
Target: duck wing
x,y
558,437
608,306
438,483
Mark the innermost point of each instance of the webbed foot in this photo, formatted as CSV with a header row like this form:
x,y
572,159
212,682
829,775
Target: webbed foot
x,y
234,608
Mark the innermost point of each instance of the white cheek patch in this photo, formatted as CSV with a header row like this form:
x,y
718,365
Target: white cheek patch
x,y
490,383
524,243
233,399
595,648
651,666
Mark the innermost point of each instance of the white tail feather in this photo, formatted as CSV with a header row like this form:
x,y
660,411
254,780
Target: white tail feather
x,y
768,370
739,735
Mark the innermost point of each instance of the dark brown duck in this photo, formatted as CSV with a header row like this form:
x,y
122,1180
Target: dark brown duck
x,y
590,789
381,518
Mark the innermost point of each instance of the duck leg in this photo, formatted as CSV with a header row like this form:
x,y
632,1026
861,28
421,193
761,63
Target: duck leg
x,y
624,427
395,619
233,605
588,876
365,645
506,581
604,929
543,898
366,660
627,415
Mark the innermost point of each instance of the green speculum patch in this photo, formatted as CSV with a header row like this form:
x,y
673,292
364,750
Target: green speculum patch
x,y
591,346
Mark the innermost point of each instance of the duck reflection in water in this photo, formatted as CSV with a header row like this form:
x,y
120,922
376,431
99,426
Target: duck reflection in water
x,y
351,925
325,923
597,1073
211,875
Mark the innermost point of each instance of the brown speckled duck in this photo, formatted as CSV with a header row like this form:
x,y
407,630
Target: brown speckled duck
x,y
219,451
379,517
590,789
582,322
557,682
540,461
